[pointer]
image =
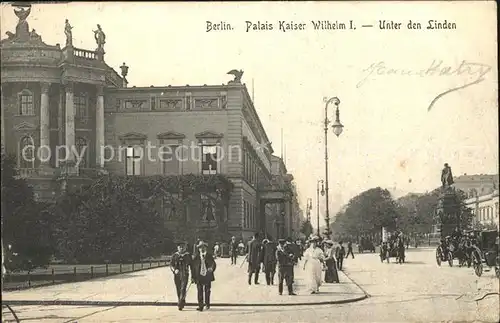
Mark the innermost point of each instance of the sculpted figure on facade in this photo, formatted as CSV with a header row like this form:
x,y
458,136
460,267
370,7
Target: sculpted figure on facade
x,y
100,38
237,75
22,28
68,33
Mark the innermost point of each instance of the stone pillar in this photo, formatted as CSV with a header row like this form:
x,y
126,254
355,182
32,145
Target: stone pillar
x,y
99,128
70,124
44,125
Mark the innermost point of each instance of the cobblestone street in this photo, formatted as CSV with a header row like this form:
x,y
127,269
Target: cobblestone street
x,y
416,291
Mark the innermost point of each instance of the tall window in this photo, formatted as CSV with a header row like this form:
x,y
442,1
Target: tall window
x,y
26,107
80,103
26,152
207,209
83,152
170,159
209,159
133,160
244,214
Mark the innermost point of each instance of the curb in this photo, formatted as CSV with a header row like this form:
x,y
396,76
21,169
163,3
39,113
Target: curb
x,y
118,303
149,303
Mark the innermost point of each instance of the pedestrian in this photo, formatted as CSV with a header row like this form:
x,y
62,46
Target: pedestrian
x,y
180,265
313,265
195,247
340,254
331,273
216,250
203,274
254,258
285,259
349,250
269,252
233,250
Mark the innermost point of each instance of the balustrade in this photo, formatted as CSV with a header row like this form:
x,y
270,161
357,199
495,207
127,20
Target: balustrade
x,y
83,53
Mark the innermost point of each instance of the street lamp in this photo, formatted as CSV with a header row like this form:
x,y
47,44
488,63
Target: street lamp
x,y
337,128
308,209
317,203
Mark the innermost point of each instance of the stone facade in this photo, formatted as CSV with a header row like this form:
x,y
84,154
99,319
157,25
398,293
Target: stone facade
x,y
69,97
485,208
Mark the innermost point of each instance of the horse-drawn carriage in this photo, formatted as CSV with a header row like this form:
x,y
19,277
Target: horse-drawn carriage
x,y
486,253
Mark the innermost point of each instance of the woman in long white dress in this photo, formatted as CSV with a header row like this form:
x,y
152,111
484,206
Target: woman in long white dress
x,y
313,265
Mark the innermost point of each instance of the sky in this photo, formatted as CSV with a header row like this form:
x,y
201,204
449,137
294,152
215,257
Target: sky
x,y
391,139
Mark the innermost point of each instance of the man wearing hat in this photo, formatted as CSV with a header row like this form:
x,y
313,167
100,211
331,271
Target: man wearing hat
x,y
180,264
285,259
254,259
202,273
233,250
269,251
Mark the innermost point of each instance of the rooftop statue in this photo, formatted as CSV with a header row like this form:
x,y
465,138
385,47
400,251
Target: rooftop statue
x,y
68,33
22,28
100,38
237,75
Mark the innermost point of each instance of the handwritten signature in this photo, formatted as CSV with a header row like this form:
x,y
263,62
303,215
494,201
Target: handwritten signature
x,y
437,68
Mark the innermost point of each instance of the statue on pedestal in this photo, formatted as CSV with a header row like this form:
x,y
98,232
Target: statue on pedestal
x,y
446,176
100,38
237,75
68,33
22,28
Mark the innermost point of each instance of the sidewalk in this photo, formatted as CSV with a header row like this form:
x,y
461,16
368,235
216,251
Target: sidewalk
x,y
156,287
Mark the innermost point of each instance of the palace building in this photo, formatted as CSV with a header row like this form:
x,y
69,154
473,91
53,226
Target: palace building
x,y
70,117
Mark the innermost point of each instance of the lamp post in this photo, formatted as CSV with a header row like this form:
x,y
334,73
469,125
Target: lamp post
x,y
308,209
337,128
317,203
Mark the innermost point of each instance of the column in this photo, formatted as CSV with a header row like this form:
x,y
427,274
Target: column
x,y
44,125
99,128
70,124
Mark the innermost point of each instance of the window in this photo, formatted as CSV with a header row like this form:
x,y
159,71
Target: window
x,y
80,102
26,152
133,160
169,157
83,151
26,107
244,214
209,164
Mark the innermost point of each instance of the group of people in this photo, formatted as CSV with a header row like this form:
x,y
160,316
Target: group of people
x,y
282,257
201,266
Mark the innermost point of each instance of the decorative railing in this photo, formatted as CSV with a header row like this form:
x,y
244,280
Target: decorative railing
x,y
83,53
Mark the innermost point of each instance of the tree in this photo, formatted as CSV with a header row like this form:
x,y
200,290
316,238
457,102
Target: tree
x,y
25,224
107,221
366,214
306,228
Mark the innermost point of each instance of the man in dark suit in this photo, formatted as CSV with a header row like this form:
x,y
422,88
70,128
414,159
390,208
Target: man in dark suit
x,y
233,250
180,264
269,253
202,273
254,259
285,258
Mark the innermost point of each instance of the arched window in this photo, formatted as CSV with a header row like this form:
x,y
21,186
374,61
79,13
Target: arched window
x,y
25,102
83,152
27,152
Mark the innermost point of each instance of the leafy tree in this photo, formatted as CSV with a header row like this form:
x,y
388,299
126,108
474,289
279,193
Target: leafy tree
x,y
366,214
107,221
25,224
